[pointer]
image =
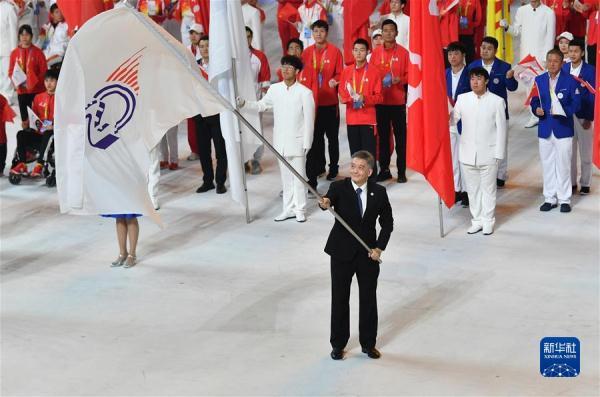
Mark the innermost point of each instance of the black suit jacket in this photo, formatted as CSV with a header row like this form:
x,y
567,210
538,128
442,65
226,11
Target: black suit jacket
x,y
341,245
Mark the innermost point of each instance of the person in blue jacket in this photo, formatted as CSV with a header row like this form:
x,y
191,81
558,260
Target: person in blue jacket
x,y
584,119
556,99
501,81
457,82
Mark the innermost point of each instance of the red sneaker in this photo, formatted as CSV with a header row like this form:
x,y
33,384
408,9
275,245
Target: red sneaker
x,y
37,171
19,169
173,166
164,165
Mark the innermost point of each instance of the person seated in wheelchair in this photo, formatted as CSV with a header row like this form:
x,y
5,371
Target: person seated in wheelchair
x,y
38,137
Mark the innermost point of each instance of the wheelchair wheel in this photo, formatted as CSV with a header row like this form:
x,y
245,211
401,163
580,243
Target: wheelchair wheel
x,y
14,179
51,180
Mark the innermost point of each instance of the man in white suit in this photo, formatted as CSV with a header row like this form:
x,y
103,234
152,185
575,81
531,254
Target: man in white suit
x,y
294,117
482,146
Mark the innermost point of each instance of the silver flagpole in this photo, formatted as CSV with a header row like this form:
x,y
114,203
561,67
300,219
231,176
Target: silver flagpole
x,y
235,90
441,216
226,104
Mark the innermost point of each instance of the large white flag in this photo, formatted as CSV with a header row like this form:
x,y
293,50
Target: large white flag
x,y
124,82
228,44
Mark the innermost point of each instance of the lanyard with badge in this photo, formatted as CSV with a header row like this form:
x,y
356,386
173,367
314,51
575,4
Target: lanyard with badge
x,y
320,72
464,20
357,104
387,80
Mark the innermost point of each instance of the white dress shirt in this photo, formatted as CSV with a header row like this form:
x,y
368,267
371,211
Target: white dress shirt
x,y
294,117
363,195
455,80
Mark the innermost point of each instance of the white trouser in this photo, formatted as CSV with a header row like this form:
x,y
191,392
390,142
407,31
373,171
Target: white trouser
x,y
6,87
459,180
481,188
154,174
503,164
556,167
294,192
583,140
168,146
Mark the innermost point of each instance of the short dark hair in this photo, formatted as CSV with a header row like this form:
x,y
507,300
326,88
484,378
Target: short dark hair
x,y
293,61
578,43
365,155
490,40
361,42
556,52
25,28
320,24
203,38
456,46
51,74
53,7
479,72
389,22
248,30
297,41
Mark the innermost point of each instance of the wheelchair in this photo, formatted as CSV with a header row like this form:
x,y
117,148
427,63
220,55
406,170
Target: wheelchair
x,y
49,171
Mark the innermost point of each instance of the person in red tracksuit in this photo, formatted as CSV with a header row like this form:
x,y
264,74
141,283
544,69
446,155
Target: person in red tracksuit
x,y
38,137
470,17
6,115
287,30
392,61
323,61
361,89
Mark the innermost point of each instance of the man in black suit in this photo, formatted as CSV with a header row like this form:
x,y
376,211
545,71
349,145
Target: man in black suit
x,y
360,202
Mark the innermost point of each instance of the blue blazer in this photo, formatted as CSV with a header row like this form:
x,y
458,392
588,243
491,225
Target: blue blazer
x,y
498,83
567,91
587,73
463,86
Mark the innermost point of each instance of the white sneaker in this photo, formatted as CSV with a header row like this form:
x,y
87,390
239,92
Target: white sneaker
x,y
300,218
474,229
284,216
533,121
488,229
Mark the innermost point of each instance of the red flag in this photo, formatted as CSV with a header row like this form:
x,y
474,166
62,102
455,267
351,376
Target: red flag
x,y
428,141
76,12
533,93
596,157
356,24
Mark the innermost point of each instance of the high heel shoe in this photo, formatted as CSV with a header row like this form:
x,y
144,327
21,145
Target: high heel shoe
x,y
130,261
119,261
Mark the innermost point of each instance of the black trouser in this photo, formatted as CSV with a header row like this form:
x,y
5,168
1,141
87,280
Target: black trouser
x,y
208,128
362,137
2,156
591,54
342,272
469,42
25,101
394,116
30,139
327,123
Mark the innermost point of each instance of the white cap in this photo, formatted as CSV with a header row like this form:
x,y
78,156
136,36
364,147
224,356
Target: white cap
x,y
198,28
376,32
565,35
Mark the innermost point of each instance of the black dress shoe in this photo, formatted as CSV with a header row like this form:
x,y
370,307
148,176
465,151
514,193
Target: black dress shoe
x,y
337,354
384,175
402,179
205,187
500,183
465,200
333,172
565,207
221,189
584,190
372,352
547,207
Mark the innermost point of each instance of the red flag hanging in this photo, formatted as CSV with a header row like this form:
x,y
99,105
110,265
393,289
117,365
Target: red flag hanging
x,y
356,24
77,12
428,141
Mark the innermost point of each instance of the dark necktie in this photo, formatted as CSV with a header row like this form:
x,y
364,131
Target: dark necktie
x,y
359,201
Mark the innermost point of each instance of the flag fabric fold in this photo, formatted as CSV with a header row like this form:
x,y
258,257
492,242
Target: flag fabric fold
x,y
356,24
428,139
118,101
